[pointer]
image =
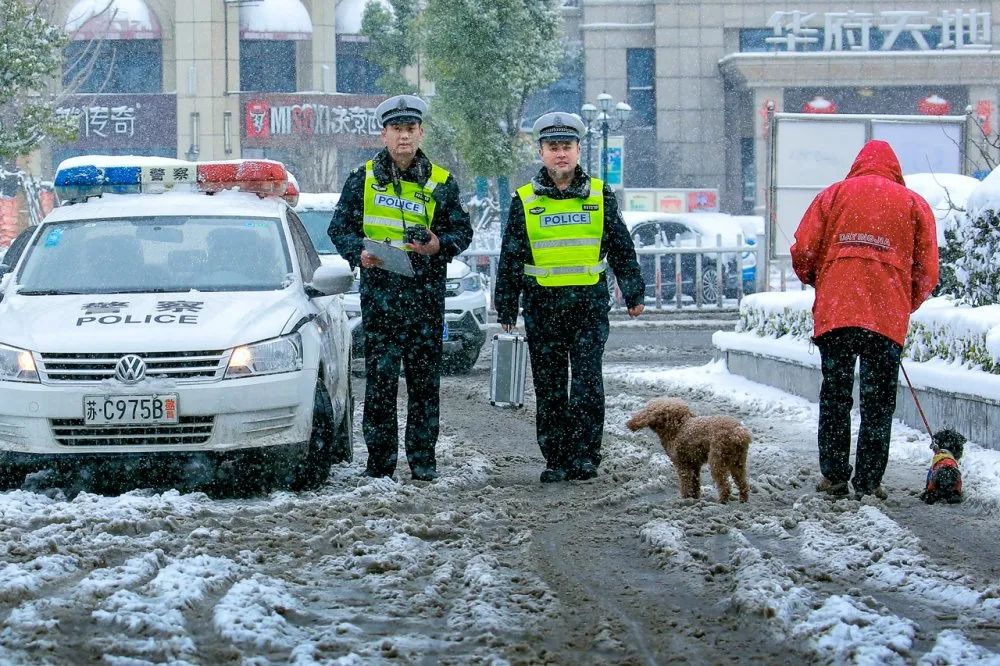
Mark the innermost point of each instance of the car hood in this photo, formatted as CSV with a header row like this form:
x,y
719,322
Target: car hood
x,y
197,321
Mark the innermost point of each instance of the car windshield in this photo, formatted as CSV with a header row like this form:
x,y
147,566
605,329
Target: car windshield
x,y
317,222
156,254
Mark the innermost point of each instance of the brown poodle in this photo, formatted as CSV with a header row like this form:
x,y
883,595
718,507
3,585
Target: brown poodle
x,y
690,441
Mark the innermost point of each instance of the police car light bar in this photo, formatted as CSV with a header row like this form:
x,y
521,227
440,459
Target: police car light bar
x,y
263,177
76,182
291,195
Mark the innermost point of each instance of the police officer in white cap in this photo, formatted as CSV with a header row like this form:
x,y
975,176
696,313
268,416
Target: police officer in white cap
x,y
564,230
401,197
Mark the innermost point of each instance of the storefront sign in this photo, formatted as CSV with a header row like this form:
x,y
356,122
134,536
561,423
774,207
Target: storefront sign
x,y
853,31
616,161
284,120
122,122
672,201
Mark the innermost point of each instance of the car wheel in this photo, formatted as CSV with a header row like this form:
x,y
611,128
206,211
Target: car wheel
x,y
611,288
462,362
709,285
314,467
343,442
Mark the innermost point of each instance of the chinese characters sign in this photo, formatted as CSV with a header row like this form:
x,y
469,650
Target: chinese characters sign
x,y
122,121
343,120
868,31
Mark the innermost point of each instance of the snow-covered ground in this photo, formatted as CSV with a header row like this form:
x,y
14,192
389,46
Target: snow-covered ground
x,y
488,566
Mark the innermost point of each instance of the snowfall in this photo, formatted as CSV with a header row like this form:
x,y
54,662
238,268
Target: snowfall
x,y
377,571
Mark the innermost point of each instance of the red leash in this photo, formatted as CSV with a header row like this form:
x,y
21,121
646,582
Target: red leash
x,y
914,394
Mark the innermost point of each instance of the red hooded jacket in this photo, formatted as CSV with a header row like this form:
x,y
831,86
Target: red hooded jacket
x,y
869,247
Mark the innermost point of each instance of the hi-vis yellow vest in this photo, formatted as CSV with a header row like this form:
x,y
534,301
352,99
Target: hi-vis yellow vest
x,y
385,211
565,237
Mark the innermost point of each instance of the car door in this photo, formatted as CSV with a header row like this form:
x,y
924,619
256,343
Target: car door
x,y
330,314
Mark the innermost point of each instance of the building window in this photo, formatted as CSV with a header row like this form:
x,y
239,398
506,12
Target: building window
x,y
267,65
355,73
563,94
641,74
113,66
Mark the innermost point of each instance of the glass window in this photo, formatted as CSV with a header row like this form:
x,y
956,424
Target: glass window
x,y
304,250
355,73
563,94
267,65
113,66
162,254
641,73
317,222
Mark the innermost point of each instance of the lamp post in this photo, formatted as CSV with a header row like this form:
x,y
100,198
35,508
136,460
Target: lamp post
x,y
611,117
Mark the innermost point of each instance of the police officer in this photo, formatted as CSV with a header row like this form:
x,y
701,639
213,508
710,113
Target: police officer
x,y
393,195
563,231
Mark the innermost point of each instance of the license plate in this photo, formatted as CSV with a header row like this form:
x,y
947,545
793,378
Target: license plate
x,y
444,334
129,409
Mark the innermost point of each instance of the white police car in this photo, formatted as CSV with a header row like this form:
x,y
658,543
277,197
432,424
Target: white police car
x,y
465,293
152,324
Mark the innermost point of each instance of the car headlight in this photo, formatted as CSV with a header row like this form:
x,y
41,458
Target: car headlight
x,y
266,358
17,365
454,286
470,283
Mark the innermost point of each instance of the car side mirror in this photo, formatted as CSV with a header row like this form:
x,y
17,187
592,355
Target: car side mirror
x,y
330,280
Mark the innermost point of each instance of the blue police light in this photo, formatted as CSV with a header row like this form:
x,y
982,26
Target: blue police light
x,y
78,183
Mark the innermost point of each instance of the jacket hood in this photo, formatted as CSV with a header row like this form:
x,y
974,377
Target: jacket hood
x,y
384,168
877,158
579,187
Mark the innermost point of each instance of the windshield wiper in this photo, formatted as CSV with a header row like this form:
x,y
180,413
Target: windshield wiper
x,y
48,292
156,290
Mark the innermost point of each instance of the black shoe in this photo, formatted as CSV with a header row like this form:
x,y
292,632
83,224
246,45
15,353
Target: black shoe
x,y
582,471
552,475
423,473
375,474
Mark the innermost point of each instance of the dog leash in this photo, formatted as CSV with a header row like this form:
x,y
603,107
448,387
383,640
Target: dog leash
x,y
915,400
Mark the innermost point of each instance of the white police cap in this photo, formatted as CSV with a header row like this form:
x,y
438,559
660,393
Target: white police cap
x,y
401,109
559,125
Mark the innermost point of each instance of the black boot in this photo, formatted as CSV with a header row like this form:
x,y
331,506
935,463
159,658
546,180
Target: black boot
x,y
423,472
552,475
582,470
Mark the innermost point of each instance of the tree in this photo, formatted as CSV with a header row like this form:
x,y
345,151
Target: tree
x,y
486,58
30,57
978,281
393,41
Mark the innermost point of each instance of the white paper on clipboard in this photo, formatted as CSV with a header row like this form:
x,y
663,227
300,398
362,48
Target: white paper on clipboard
x,y
394,259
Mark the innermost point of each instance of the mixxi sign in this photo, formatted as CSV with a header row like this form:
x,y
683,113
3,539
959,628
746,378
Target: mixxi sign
x,y
852,31
280,120
122,122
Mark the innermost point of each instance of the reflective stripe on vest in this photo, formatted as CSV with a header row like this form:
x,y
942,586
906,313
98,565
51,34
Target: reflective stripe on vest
x,y
385,212
565,237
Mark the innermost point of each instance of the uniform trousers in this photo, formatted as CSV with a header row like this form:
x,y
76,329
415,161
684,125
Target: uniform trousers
x,y
416,343
566,347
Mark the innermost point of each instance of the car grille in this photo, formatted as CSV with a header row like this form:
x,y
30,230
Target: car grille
x,y
188,430
188,366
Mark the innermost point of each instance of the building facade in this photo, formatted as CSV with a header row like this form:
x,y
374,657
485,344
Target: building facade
x,y
700,75
214,80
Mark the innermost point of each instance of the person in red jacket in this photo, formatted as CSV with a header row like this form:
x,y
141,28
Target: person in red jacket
x,y
869,247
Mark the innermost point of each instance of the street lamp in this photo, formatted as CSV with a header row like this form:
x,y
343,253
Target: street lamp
x,y
611,117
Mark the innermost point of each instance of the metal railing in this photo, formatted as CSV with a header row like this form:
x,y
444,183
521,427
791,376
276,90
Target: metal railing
x,y
666,270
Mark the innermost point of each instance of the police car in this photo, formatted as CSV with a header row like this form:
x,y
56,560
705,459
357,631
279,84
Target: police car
x,y
465,292
149,321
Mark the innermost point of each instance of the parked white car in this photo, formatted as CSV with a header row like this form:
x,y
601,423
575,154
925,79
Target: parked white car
x,y
198,336
465,292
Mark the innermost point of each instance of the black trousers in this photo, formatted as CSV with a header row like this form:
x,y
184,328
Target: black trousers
x,y
416,343
839,350
569,424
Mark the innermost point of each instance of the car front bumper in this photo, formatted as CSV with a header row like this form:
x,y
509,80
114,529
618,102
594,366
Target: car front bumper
x,y
226,415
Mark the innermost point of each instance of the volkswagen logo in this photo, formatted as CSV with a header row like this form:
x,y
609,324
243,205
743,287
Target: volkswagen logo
x,y
130,369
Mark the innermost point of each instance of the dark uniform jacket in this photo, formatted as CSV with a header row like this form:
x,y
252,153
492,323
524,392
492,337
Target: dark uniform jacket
x,y
385,291
616,247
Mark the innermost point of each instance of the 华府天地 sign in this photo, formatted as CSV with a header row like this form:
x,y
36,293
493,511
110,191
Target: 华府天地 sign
x,y
272,121
887,30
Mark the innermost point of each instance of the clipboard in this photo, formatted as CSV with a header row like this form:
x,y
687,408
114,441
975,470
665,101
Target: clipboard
x,y
394,259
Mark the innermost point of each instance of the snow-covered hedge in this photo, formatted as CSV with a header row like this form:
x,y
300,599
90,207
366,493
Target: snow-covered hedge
x,y
940,329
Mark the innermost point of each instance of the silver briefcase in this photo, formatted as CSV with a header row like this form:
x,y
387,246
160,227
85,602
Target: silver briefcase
x,y
510,361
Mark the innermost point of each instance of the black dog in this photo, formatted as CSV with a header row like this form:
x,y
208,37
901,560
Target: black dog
x,y
944,478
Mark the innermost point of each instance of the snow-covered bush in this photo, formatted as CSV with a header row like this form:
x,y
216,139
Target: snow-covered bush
x,y
978,280
948,195
940,329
